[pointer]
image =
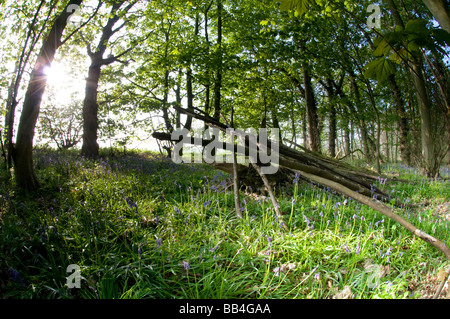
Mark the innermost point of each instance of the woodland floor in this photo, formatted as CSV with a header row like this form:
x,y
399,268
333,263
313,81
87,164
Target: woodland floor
x,y
140,226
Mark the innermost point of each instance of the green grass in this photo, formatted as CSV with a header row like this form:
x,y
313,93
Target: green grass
x,y
143,227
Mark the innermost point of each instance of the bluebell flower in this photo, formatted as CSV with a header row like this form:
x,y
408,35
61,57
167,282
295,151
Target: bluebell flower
x,y
139,251
130,203
206,203
269,240
15,276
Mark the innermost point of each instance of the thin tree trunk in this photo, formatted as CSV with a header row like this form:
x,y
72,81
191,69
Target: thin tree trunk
x,y
207,67
332,118
311,111
189,89
236,180
305,133
378,136
402,120
23,151
218,80
355,112
11,102
178,99
273,199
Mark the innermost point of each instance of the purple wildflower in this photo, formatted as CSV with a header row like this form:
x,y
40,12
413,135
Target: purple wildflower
x,y
347,250
15,276
207,203
139,251
158,242
269,240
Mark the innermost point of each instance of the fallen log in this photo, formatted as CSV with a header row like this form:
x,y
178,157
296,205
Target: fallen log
x,y
316,164
328,172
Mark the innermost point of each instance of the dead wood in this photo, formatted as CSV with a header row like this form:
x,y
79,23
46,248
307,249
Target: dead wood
x,y
328,172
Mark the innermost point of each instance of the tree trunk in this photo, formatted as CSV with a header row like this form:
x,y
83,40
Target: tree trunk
x,y
429,155
189,89
332,118
440,11
357,115
311,111
347,140
11,103
218,80
9,117
207,67
23,151
178,100
427,135
90,146
402,120
378,136
305,133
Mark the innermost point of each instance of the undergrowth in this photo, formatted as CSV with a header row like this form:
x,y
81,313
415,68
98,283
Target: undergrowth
x,y
139,226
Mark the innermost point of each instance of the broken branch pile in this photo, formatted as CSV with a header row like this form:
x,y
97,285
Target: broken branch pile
x,y
343,178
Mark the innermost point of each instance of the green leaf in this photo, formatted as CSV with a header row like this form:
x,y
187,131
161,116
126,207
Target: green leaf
x,y
442,37
300,6
287,5
383,48
413,47
380,69
417,25
399,56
